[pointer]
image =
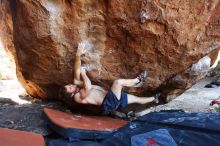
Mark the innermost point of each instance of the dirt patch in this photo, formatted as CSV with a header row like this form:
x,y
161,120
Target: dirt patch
x,y
26,117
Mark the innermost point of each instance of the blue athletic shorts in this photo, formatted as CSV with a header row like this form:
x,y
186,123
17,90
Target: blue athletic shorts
x,y
111,103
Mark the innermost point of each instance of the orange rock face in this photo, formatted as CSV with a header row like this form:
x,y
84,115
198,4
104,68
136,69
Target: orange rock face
x,y
166,37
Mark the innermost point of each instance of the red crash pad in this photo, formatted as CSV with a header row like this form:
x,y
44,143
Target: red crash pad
x,y
10,137
99,123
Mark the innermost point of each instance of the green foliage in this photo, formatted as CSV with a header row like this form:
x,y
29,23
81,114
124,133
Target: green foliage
x,y
218,108
217,68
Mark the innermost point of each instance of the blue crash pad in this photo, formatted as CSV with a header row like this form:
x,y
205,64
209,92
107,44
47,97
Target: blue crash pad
x,y
159,137
186,129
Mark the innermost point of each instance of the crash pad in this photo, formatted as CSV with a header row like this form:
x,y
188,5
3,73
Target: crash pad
x,y
160,137
74,126
9,137
185,129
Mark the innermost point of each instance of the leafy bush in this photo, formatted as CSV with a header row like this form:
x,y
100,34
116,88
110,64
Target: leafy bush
x,y
217,108
215,71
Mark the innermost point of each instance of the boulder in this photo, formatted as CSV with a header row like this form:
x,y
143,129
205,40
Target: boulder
x,y
166,37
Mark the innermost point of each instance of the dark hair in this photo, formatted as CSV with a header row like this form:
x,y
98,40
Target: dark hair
x,y
63,94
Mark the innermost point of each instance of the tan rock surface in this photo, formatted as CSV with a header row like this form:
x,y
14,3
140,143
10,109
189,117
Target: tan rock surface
x,y
166,37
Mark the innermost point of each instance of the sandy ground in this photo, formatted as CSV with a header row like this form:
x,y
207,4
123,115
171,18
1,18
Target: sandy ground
x,y
195,99
21,112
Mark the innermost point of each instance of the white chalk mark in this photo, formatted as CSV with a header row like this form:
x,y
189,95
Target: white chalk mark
x,y
144,16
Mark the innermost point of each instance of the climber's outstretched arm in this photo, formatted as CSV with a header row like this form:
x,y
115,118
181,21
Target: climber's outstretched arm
x,y
77,64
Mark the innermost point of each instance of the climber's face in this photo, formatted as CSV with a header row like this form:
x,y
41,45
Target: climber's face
x,y
71,88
